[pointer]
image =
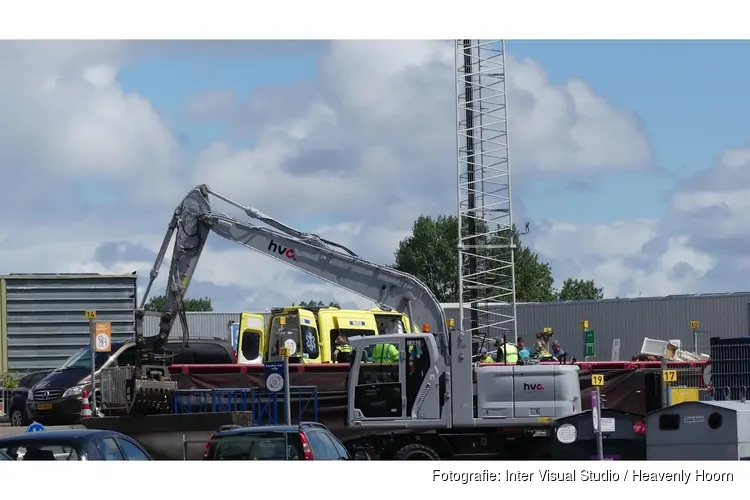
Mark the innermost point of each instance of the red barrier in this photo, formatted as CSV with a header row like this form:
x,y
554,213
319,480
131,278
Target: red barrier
x,y
344,368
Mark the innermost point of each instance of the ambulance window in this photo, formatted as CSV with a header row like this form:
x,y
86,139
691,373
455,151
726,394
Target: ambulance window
x,y
346,333
250,345
278,331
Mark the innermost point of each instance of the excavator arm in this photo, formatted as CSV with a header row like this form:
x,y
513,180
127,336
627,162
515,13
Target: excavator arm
x,y
193,221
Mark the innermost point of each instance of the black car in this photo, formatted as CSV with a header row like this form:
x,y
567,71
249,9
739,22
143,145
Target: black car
x,y
83,444
17,406
307,441
57,398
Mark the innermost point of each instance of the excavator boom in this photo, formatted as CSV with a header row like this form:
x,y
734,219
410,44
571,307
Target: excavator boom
x,y
193,220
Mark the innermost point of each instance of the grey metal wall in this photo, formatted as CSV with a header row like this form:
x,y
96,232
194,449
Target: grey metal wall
x,y
201,325
630,320
42,317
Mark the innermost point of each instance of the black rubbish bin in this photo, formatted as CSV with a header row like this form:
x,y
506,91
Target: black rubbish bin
x,y
624,437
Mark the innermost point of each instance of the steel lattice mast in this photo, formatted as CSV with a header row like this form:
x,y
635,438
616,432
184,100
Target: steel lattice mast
x,y
486,267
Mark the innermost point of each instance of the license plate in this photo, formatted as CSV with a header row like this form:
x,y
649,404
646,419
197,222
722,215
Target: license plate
x,y
44,406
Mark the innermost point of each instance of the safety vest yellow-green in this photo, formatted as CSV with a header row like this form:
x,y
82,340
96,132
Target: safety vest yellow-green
x,y
486,359
385,353
542,355
507,353
343,354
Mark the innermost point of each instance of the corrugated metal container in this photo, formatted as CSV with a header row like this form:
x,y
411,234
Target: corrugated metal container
x,y
43,321
630,320
201,325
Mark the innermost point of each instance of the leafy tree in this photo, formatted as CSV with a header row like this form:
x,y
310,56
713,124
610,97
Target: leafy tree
x,y
316,303
156,303
579,289
431,254
8,381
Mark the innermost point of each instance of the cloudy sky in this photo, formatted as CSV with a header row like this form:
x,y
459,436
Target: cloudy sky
x,y
630,159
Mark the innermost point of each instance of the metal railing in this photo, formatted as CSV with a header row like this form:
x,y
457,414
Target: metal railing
x,y
263,404
4,402
723,377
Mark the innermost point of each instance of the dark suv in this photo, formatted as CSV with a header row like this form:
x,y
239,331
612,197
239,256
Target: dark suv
x,y
307,441
17,406
57,398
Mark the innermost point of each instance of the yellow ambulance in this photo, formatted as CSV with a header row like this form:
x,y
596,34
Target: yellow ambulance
x,y
310,333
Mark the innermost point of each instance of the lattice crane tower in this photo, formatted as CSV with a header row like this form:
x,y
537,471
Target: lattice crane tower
x,y
486,266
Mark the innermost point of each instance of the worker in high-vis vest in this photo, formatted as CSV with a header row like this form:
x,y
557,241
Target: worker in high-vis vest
x,y
506,353
484,357
541,353
343,351
385,353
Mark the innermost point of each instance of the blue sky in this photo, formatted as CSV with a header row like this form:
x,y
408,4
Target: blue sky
x,y
169,80
688,94
358,137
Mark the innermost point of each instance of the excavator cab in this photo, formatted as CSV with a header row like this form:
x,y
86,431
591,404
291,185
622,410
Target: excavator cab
x,y
397,380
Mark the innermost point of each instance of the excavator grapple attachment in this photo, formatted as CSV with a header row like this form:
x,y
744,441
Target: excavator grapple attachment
x,y
152,391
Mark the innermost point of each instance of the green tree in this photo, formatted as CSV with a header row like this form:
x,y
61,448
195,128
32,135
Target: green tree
x,y
431,254
579,289
156,303
316,303
8,381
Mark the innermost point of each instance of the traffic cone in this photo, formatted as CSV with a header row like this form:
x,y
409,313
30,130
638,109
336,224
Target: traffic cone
x,y
85,406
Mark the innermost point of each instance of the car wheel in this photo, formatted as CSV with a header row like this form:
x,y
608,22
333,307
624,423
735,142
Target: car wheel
x,y
17,418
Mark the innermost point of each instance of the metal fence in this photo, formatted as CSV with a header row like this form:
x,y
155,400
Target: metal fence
x,y
4,402
723,377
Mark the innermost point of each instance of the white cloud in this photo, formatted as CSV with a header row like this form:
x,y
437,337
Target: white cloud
x,y
570,128
356,155
65,115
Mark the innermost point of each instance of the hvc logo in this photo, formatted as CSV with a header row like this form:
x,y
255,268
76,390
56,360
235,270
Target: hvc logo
x,y
533,387
277,249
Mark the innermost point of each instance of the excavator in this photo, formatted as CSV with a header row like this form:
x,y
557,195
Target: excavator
x,y
426,403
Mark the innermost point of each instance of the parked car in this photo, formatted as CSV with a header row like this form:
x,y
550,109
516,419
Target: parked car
x,y
56,399
17,401
79,444
307,441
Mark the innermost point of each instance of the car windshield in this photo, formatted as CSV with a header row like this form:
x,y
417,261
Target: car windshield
x,y
260,446
82,360
40,451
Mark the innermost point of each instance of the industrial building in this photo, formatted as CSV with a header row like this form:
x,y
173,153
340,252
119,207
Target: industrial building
x,y
42,319
630,320
43,316
201,325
